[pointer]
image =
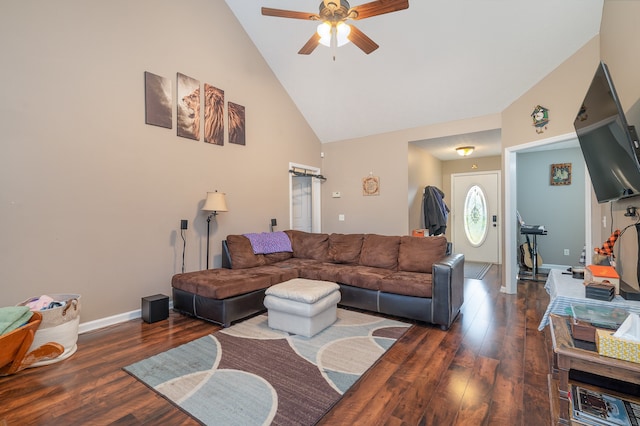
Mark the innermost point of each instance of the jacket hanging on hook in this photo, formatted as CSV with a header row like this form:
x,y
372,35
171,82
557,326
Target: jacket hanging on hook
x,y
434,210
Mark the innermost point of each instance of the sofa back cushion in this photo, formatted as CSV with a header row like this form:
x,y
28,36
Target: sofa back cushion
x,y
418,254
380,251
271,258
241,253
345,248
308,245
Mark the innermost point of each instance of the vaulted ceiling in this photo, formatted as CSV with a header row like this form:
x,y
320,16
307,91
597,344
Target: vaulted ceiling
x,y
438,61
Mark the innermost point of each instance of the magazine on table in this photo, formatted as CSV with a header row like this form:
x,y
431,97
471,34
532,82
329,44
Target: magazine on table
x,y
596,408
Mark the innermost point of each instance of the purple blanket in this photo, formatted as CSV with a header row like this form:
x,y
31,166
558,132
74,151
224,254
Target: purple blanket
x,y
269,242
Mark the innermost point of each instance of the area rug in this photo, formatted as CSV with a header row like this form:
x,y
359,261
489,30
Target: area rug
x,y
249,374
476,270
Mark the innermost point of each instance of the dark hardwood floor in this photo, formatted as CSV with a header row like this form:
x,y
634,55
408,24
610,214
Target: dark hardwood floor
x,y
490,368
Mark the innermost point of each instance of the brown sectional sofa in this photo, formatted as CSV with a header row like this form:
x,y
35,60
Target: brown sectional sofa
x,y
411,277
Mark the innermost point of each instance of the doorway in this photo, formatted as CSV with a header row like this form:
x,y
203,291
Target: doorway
x,y
304,199
475,216
511,266
301,203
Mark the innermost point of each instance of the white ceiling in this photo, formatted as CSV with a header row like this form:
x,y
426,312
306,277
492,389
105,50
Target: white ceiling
x,y
438,61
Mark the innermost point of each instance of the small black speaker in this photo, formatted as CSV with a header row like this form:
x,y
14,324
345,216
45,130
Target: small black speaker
x,y
155,308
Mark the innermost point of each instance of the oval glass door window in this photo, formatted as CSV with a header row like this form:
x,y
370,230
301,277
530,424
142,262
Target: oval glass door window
x,y
475,216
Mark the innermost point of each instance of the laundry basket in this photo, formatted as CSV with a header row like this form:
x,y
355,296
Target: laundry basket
x,y
58,325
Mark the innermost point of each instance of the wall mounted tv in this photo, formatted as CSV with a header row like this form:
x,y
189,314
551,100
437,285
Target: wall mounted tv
x,y
609,144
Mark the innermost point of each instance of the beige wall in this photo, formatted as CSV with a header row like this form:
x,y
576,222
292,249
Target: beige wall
x,y
562,92
91,198
345,165
424,170
387,156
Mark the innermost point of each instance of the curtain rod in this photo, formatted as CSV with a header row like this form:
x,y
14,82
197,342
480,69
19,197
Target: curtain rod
x,y
297,171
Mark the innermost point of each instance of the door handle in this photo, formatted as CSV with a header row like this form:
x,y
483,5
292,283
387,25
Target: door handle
x,y
494,220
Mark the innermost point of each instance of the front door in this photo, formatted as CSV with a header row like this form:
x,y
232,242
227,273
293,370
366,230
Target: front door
x,y
474,214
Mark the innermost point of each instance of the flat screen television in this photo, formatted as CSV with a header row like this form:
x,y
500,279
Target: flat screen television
x,y
609,144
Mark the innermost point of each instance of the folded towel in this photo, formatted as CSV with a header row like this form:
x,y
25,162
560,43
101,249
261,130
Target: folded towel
x,y
13,317
269,242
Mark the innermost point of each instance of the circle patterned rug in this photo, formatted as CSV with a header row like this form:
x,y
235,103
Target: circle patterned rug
x,y
249,374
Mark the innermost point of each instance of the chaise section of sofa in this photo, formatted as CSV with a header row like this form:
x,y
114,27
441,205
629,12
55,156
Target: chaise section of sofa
x,y
411,277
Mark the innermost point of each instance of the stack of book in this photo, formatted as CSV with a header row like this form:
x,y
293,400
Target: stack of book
x,y
600,291
600,273
593,407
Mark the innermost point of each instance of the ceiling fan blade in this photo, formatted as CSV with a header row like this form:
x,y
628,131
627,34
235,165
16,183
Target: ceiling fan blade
x,y
379,7
310,45
279,13
361,40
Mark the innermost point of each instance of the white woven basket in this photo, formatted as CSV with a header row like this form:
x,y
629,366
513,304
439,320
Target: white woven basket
x,y
59,325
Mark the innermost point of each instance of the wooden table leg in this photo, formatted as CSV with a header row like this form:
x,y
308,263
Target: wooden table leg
x,y
563,392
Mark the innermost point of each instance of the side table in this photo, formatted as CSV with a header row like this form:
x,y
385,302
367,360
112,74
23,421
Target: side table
x,y
568,357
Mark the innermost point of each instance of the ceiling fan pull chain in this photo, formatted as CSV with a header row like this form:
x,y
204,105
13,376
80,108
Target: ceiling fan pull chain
x,y
334,41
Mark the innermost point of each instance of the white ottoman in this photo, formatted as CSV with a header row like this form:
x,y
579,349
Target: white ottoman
x,y
301,306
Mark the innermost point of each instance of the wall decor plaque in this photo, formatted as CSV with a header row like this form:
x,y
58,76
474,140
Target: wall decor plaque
x,y
561,174
371,185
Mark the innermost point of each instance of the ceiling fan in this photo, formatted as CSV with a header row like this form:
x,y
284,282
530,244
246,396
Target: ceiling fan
x,y
333,31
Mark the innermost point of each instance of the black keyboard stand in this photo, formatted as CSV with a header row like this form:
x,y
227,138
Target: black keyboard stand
x,y
535,271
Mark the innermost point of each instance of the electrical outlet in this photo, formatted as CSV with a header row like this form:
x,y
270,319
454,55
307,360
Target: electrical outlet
x,y
341,217
566,252
183,224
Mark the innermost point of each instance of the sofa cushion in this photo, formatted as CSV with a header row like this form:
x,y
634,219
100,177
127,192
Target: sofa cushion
x,y
345,248
418,254
224,283
271,258
380,251
308,245
408,283
241,253
361,276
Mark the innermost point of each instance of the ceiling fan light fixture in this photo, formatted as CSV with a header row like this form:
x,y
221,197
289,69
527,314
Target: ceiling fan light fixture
x,y
325,31
465,151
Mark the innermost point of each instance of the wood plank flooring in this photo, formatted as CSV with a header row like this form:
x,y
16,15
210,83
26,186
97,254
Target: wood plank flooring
x,y
490,368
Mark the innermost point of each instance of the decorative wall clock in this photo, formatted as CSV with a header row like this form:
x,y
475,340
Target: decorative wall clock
x,y
540,117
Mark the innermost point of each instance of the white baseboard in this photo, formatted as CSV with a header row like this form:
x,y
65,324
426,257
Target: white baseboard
x,y
85,327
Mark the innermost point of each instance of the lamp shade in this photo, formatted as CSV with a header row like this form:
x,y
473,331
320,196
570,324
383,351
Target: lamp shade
x,y
215,202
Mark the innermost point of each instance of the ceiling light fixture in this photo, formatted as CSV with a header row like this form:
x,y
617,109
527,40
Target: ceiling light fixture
x,y
465,151
328,32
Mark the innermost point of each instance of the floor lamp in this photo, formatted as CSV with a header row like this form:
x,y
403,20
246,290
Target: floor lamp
x,y
214,203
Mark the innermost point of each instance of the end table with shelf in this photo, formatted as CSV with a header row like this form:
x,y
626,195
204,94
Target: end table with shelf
x,y
567,357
